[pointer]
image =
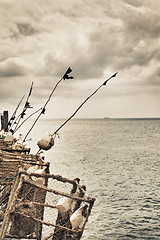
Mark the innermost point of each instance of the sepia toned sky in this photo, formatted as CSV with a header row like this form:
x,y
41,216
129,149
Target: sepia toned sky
x,y
40,39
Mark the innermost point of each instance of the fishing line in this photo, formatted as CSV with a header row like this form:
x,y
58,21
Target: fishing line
x,y
27,119
55,133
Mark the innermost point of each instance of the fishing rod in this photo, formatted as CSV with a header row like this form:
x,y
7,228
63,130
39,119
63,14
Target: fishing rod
x,y
65,76
47,142
23,113
11,121
103,84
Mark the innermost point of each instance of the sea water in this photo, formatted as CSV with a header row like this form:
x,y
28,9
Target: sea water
x,y
119,162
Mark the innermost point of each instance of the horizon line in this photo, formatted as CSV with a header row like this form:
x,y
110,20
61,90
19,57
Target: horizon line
x,y
107,118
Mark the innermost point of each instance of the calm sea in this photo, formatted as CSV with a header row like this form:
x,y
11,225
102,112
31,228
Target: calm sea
x,y
119,161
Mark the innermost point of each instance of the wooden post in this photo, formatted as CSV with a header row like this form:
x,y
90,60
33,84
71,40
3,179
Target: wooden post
x,y
4,121
5,114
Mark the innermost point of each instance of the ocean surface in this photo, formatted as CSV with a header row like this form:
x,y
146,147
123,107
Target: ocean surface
x,y
119,162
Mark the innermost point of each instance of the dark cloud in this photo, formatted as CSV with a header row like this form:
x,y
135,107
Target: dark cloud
x,y
26,29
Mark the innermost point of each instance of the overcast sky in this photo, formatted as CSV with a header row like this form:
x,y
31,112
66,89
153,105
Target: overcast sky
x,y
40,39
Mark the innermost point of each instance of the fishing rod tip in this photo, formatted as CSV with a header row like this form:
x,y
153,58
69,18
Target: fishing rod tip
x,y
114,75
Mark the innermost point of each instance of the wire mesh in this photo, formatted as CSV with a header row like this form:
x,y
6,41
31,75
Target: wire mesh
x,y
41,212
37,205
